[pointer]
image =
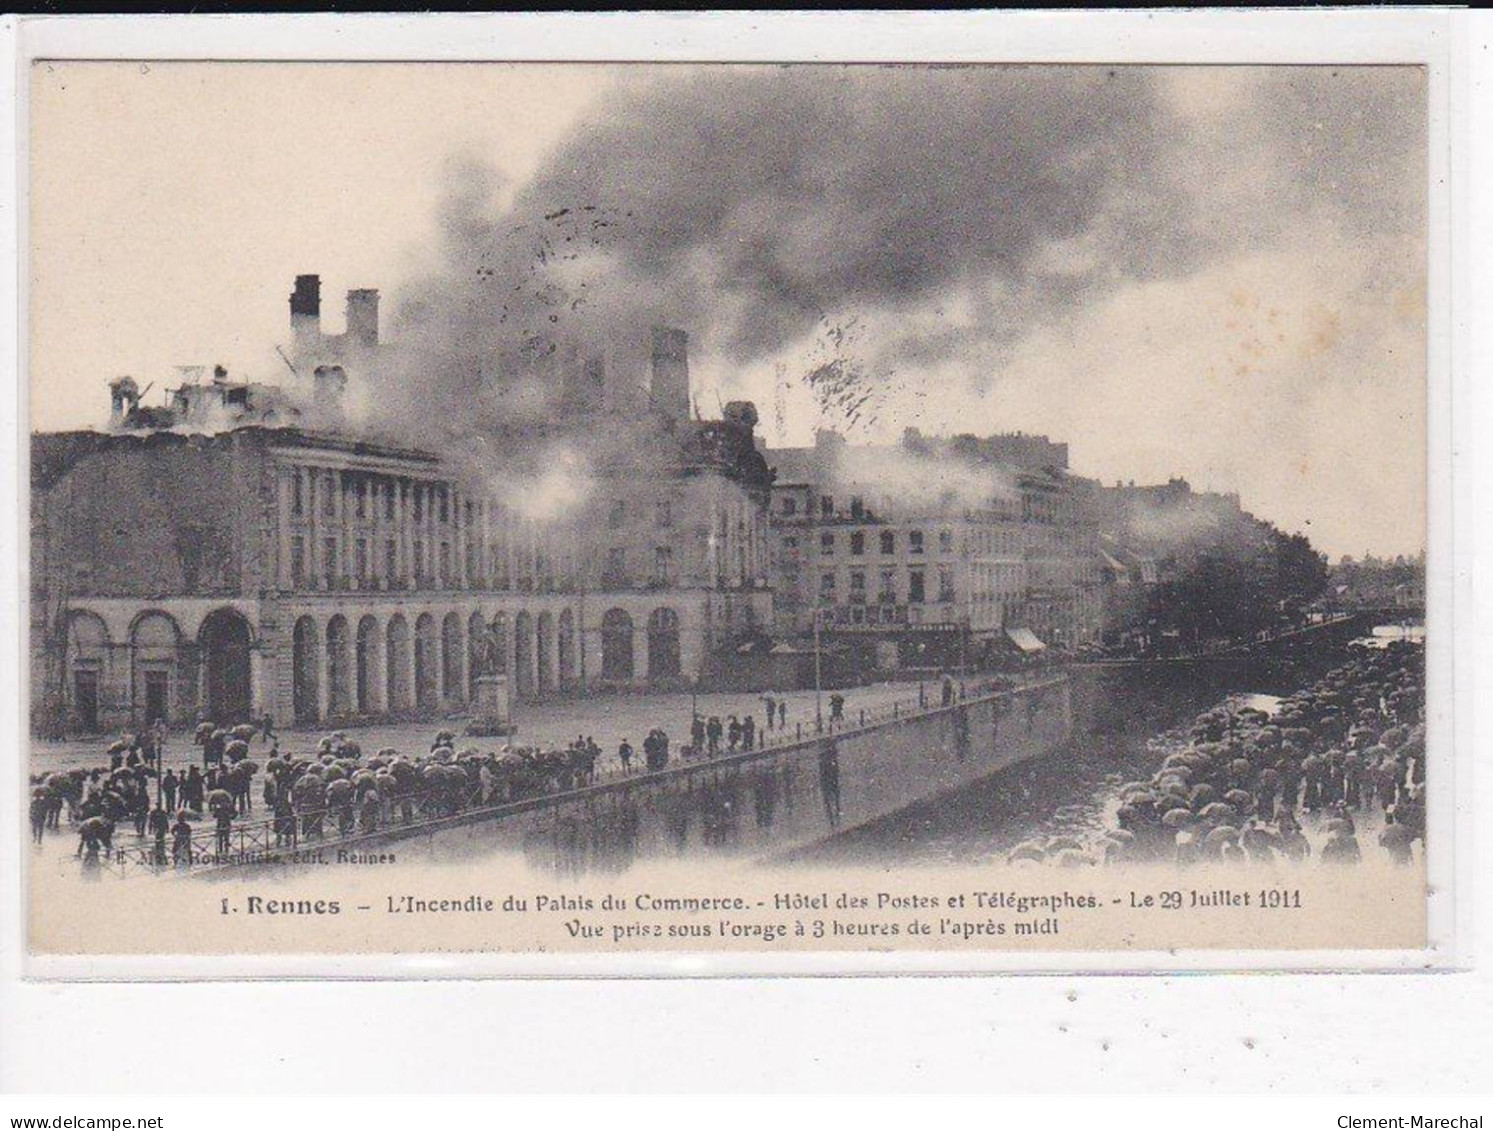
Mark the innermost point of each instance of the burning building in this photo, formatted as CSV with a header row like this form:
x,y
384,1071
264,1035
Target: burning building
x,y
233,553
934,553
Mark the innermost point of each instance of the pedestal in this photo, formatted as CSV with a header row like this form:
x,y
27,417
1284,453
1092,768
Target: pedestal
x,y
490,708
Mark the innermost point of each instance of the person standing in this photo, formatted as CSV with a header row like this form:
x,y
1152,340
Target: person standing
x,y
624,755
782,714
169,785
772,705
181,840
224,825
159,825
749,733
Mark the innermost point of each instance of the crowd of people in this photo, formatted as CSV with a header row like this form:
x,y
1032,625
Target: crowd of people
x,y
335,790
1339,759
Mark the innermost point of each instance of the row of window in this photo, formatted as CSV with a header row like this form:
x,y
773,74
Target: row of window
x,y
536,570
917,587
369,495
886,538
663,513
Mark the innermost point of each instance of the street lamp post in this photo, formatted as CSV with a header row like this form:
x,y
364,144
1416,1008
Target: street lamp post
x,y
818,683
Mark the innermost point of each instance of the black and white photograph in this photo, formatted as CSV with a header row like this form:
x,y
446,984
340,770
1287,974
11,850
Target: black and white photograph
x,y
486,506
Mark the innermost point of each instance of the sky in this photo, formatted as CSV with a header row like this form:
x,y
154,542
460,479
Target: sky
x,y
1217,273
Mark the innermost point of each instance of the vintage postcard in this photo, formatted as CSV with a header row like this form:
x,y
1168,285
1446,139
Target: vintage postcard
x,y
553,510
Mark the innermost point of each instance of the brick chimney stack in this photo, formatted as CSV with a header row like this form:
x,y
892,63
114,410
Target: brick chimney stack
x,y
669,387
305,313
362,318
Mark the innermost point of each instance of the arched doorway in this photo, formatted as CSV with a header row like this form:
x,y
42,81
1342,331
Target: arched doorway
x,y
523,654
155,649
545,645
616,645
87,664
427,663
663,644
476,633
366,683
451,649
565,647
305,665
339,667
397,661
500,633
225,639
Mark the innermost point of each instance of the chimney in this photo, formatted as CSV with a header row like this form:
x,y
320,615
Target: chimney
x,y
305,313
362,318
669,388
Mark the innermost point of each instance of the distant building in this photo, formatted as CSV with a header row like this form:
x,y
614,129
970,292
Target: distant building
x,y
933,553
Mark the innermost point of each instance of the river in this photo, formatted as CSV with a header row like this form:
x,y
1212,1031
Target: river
x,y
1124,728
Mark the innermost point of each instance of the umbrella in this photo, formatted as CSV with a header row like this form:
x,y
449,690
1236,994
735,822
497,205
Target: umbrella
x,y
1064,843
1177,818
219,797
388,752
1027,850
236,749
1221,835
244,732
1339,825
1240,798
1123,836
1203,794
1218,811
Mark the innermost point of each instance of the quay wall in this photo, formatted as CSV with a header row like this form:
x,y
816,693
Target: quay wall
x,y
757,804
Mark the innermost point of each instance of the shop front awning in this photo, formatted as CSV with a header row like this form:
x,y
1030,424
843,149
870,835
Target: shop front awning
x,y
1025,639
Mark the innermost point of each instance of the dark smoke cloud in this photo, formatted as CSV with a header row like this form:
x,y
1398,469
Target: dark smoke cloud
x,y
750,204
762,208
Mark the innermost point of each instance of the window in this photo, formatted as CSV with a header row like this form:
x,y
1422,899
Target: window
x,y
617,515
298,495
442,499
616,564
790,505
827,588
445,563
665,511
663,565
361,559
328,496
297,561
914,541
329,560
888,592
389,490
857,507
360,504
419,503
945,583
826,544
945,541
857,587
915,592
391,561
858,542
888,542
827,506
419,548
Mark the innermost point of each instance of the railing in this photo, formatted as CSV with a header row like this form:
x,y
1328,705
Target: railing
x,y
259,840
